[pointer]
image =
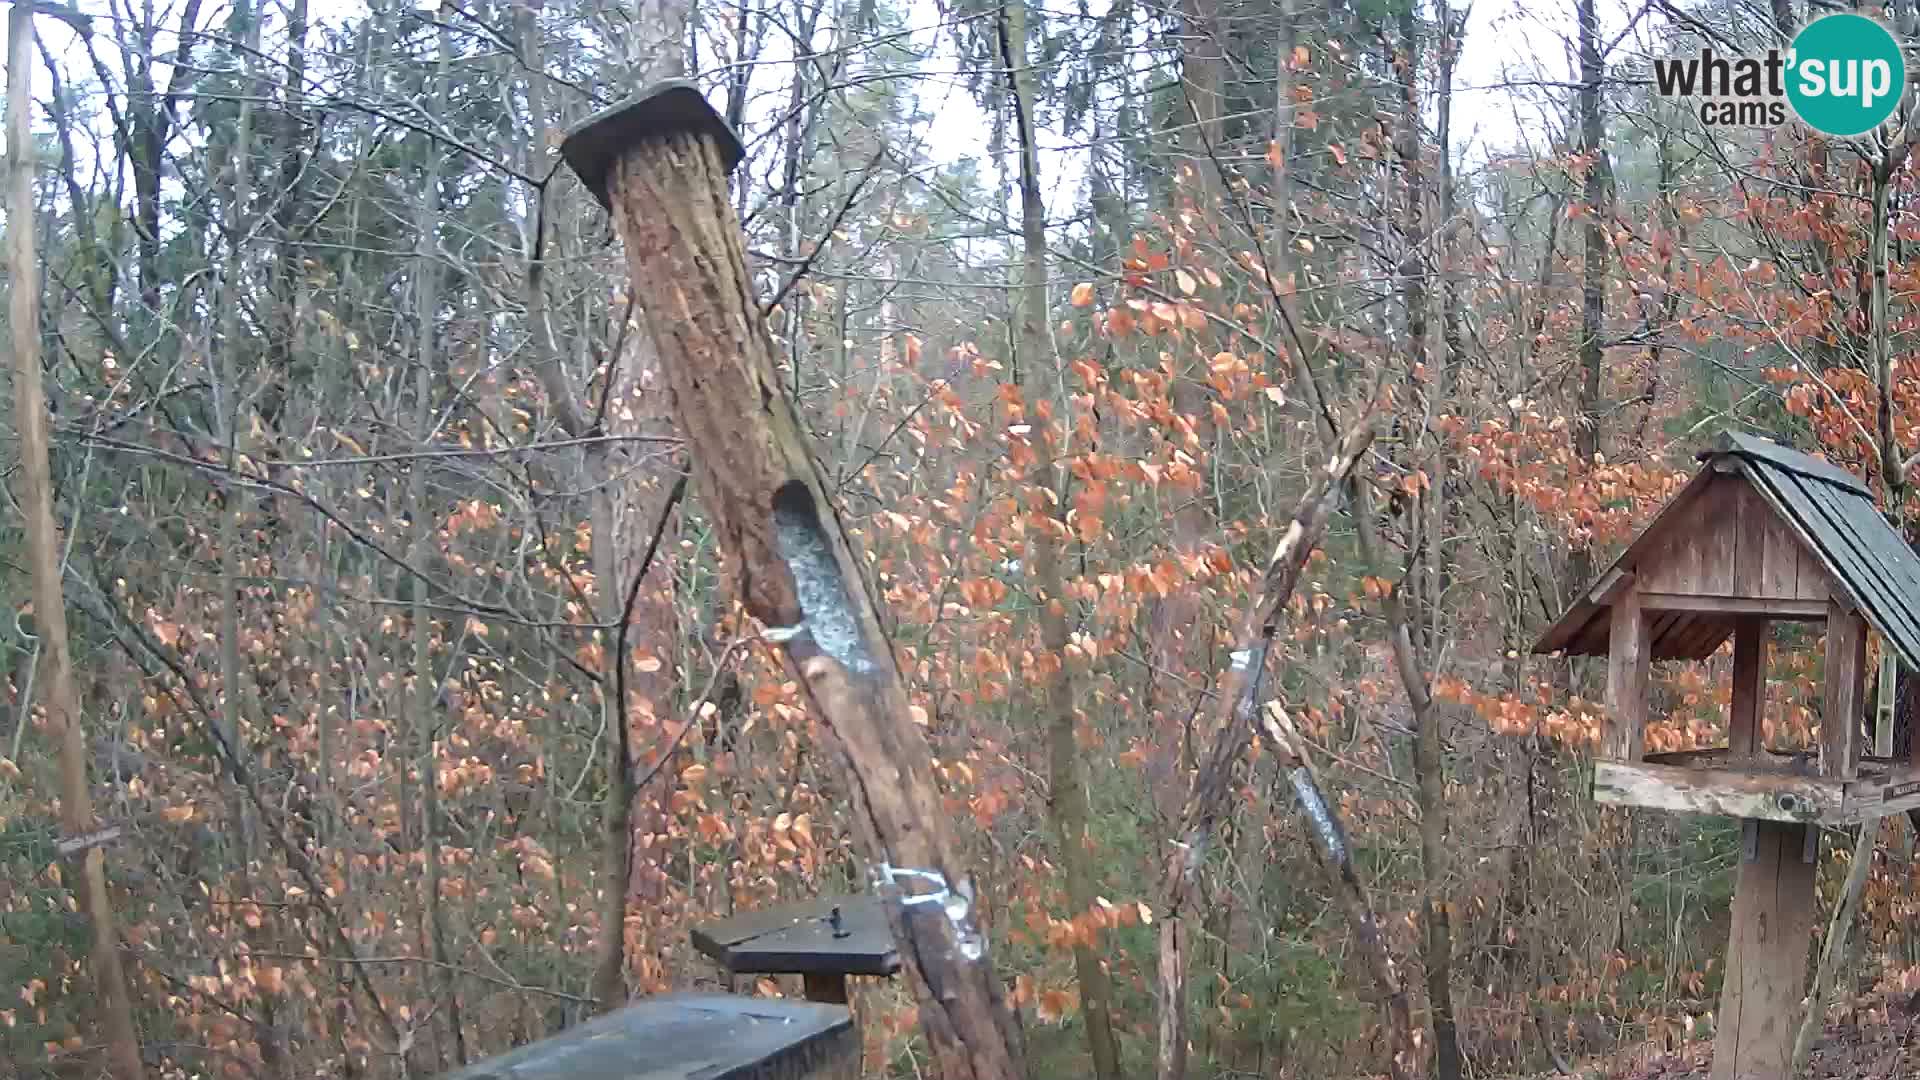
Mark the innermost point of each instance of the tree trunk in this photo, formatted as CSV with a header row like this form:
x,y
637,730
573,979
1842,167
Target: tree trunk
x,y
1892,473
791,563
1335,854
1413,639
1593,282
1229,733
1067,788
427,705
1834,950
43,552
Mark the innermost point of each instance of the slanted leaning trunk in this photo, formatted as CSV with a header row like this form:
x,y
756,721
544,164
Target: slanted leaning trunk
x,y
661,163
1335,853
1228,736
1834,951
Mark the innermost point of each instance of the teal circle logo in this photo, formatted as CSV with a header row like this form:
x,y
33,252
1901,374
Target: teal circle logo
x,y
1845,74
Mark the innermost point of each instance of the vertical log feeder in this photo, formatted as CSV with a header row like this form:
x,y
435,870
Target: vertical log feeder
x,y
660,165
1762,534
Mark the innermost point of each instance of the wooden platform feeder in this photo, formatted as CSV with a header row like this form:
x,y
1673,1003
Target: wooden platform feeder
x,y
1762,534
691,1037
823,941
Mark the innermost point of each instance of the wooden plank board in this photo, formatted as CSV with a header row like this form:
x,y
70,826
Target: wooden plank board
x,y
1717,539
1627,657
1720,792
1773,909
1805,524
1573,626
1781,555
1811,578
1749,688
1845,682
1783,608
1798,762
1772,561
691,1037
1695,554
1750,520
1896,792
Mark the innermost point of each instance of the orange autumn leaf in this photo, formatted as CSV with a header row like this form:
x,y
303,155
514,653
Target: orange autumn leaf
x,y
1083,294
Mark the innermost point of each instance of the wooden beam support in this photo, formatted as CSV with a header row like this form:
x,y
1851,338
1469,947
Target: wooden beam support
x,y
1883,706
1846,674
1766,957
1896,792
1744,736
1720,792
1796,610
831,989
1627,656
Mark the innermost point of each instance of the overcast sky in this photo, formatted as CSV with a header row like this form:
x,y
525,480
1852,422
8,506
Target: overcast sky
x,y
1506,42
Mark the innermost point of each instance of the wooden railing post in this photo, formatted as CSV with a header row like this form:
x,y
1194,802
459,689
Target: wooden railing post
x,y
660,165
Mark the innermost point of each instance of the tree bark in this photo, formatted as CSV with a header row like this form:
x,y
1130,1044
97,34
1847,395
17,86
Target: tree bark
x,y
1067,801
427,704
791,563
1230,732
1834,950
1593,281
1412,631
43,547
1335,854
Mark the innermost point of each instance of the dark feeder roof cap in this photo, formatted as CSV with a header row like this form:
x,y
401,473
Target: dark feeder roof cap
x,y
671,107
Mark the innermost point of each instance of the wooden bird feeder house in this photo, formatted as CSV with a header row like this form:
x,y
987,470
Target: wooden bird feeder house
x,y
1761,534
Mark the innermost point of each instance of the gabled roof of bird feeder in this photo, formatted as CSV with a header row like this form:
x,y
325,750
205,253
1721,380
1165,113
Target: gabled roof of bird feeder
x,y
1761,529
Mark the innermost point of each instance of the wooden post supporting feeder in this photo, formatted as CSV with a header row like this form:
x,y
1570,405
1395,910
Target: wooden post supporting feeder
x,y
660,165
1762,534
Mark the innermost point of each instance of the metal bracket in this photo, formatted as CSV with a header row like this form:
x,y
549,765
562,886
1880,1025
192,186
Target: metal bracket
x,y
952,903
1810,851
1749,840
